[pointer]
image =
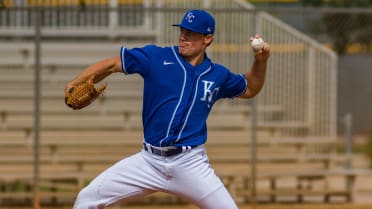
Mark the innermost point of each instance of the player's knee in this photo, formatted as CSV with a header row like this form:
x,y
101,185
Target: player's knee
x,y
87,199
218,199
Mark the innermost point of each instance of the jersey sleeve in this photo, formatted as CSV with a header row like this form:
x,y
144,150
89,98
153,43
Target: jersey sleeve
x,y
234,85
135,60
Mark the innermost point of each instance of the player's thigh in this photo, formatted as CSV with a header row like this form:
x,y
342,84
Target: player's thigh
x,y
195,180
205,190
208,193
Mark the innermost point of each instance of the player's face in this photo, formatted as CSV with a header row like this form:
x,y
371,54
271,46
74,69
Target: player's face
x,y
192,44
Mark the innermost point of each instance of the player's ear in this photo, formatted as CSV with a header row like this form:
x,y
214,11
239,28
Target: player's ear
x,y
208,39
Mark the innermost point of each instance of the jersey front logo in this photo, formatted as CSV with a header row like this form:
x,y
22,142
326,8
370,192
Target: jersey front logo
x,y
208,92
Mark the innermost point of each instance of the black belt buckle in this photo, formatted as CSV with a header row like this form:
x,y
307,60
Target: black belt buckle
x,y
165,152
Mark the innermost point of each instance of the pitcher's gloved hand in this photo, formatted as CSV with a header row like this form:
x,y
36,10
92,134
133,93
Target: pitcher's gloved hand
x,y
83,94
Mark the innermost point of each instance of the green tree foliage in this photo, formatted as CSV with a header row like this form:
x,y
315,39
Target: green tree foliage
x,y
346,27
368,150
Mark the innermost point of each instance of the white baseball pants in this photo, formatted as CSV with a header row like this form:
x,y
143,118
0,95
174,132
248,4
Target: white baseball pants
x,y
187,175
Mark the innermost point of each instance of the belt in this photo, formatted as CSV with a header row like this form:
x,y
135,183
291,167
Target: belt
x,y
166,151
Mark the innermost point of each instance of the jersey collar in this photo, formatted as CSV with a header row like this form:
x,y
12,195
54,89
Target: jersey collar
x,y
197,69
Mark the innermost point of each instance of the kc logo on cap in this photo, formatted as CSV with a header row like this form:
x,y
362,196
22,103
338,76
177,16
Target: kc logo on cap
x,y
189,17
198,21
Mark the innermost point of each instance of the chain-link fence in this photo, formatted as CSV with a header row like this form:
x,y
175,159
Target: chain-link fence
x,y
346,30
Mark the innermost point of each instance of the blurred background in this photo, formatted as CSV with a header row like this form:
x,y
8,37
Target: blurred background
x,y
307,137
343,26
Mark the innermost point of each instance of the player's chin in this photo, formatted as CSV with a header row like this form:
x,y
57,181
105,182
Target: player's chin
x,y
183,51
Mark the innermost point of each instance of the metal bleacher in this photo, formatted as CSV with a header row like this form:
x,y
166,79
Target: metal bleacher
x,y
296,109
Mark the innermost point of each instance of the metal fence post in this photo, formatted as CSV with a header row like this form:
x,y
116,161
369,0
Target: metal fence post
x,y
311,88
37,84
253,151
348,139
113,18
348,123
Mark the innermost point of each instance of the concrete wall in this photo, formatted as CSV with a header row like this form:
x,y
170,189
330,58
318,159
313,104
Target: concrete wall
x,y
355,91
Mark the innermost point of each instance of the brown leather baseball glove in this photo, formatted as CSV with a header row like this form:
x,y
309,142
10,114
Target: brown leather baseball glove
x,y
83,94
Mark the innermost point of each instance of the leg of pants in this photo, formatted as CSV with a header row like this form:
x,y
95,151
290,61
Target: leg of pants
x,y
124,181
187,175
193,179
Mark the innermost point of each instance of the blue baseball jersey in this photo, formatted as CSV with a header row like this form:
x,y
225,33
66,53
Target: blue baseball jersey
x,y
178,97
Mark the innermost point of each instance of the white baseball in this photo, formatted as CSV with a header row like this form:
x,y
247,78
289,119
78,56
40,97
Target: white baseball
x,y
257,43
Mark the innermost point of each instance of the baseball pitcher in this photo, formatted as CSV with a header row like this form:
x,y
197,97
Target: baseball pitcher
x,y
181,84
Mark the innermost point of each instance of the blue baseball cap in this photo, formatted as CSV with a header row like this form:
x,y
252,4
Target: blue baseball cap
x,y
198,21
